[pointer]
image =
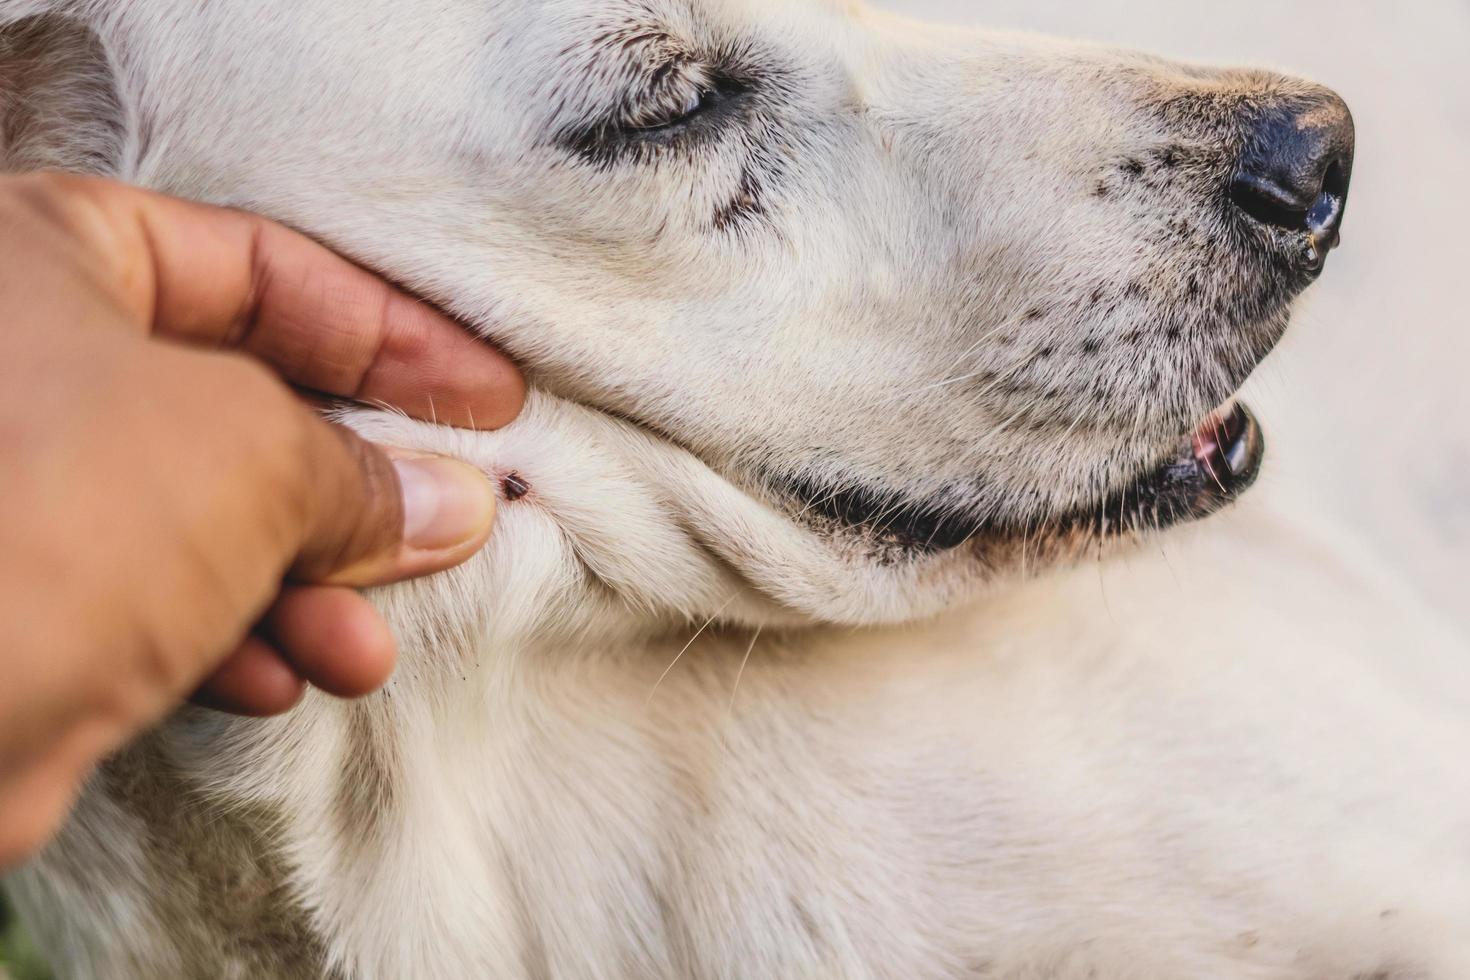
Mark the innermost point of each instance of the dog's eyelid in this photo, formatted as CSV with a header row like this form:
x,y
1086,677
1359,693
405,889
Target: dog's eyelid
x,y
680,102
677,89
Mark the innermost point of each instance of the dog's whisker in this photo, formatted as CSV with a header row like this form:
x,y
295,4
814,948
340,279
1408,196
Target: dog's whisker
x,y
680,655
1025,542
912,392
881,522
816,502
960,359
741,672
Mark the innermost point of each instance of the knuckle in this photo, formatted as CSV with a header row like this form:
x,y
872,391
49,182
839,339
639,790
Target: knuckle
x,y
349,504
65,201
56,212
31,201
274,435
378,523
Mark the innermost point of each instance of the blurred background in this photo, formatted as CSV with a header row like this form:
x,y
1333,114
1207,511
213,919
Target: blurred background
x,y
1367,403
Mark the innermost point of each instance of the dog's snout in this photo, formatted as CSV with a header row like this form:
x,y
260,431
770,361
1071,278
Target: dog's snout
x,y
1295,168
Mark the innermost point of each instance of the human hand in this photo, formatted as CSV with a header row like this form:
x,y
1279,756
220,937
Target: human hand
x,y
159,481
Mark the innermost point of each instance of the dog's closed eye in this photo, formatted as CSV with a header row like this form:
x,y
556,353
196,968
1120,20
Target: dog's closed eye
x,y
683,104
676,102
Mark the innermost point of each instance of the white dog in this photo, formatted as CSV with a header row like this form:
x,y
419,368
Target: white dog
x,y
845,329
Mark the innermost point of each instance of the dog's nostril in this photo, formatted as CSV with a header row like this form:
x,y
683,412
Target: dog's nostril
x,y
1270,203
1295,169
1312,207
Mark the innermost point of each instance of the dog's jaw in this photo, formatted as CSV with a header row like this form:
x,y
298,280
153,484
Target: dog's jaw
x,y
605,526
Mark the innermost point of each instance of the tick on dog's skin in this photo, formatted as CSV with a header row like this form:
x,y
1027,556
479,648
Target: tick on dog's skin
x,y
514,487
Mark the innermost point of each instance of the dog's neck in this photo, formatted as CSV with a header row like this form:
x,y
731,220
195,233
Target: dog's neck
x,y
632,614
569,775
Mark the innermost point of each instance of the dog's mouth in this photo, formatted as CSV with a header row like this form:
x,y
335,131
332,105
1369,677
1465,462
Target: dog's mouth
x,y
1209,468
1212,466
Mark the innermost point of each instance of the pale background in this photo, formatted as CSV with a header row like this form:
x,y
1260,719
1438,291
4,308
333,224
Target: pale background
x,y
1367,404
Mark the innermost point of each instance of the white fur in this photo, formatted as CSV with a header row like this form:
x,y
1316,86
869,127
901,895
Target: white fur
x,y
664,727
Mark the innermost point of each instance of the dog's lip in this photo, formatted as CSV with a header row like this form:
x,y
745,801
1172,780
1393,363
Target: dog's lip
x,y
1209,468
1227,447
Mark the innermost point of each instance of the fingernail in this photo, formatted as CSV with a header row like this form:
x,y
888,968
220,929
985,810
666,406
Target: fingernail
x,y
445,502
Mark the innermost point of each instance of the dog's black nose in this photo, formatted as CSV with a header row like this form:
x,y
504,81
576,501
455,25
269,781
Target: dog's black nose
x,y
1295,168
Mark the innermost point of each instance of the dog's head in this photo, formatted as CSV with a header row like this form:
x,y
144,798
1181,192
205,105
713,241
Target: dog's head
x,y
924,304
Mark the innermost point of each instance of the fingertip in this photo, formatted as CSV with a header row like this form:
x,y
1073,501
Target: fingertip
x,y
256,682
448,505
335,638
452,375
492,389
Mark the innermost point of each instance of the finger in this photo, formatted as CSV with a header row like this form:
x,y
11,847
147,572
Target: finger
x,y
374,516
230,279
256,681
334,638
35,801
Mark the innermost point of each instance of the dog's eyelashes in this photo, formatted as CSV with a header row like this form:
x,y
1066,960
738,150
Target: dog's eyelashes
x,y
681,99
672,110
685,109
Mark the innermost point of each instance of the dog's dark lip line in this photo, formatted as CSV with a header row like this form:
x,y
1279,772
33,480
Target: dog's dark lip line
x,y
1211,468
1179,489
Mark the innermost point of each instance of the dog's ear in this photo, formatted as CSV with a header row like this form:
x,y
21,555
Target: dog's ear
x,y
59,102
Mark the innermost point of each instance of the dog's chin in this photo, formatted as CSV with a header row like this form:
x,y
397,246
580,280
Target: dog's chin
x,y
1207,470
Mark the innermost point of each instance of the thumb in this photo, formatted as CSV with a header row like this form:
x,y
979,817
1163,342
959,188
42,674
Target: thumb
x,y
378,515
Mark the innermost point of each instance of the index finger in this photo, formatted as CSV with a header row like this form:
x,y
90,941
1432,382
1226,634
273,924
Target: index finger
x,y
223,278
